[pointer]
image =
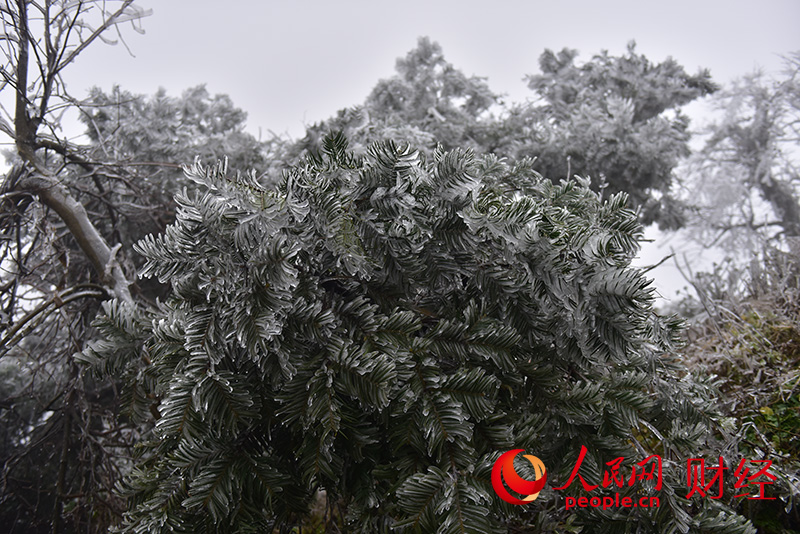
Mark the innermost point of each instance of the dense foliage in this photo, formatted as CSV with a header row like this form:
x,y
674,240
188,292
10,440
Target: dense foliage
x,y
615,119
381,329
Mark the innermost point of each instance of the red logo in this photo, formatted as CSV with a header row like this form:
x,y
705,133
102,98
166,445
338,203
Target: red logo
x,y
504,470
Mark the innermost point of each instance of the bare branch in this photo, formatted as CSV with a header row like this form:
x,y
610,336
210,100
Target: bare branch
x,y
34,317
73,213
121,15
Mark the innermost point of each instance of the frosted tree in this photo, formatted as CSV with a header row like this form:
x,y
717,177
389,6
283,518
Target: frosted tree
x,y
381,328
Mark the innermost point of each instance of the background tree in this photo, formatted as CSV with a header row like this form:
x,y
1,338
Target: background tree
x,y
431,94
427,102
745,182
614,119
59,463
150,139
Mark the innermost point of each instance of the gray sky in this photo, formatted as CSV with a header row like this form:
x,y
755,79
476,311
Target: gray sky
x,y
290,63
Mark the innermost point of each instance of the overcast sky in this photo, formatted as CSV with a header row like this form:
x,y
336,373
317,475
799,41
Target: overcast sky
x,y
290,63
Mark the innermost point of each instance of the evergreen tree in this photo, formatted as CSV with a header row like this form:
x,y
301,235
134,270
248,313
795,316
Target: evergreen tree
x,y
614,119
428,102
429,93
382,328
